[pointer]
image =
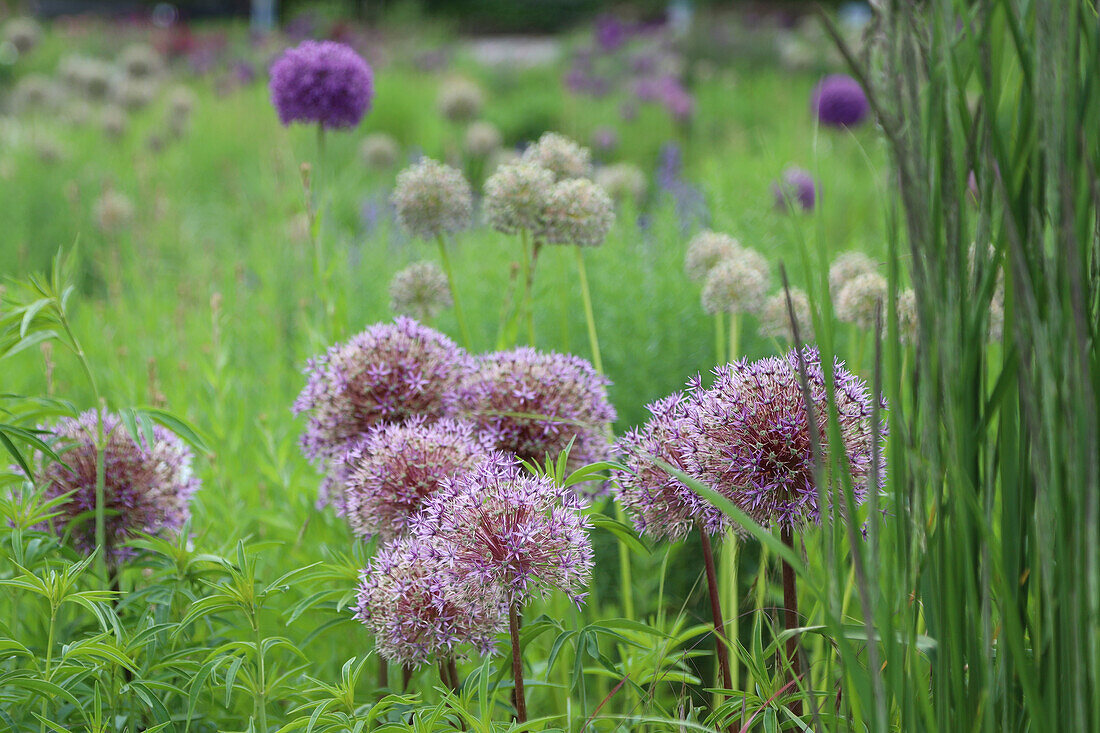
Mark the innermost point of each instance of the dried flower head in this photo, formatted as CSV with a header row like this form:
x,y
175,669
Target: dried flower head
x,y
534,403
89,77
795,188
775,319
482,138
516,196
839,101
114,121
134,94
147,489
737,285
847,267
623,181
560,155
181,101
500,527
578,212
417,609
379,151
460,100
386,374
432,199
139,61
321,81
705,250
113,211
23,34
752,441
395,468
662,506
859,300
34,93
420,291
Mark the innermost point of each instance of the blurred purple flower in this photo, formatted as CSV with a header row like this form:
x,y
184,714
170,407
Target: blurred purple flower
x,y
838,101
796,186
323,82
611,32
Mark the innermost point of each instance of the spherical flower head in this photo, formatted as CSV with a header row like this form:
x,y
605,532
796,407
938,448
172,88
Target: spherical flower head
x,y
578,212
796,188
395,468
23,34
34,93
500,527
113,212
623,181
181,102
752,441
386,374
147,489
705,250
417,609
139,61
560,155
847,267
482,138
321,81
432,199
134,94
662,506
516,196
88,77
460,100
737,285
420,291
535,403
379,151
839,101
114,121
775,319
859,300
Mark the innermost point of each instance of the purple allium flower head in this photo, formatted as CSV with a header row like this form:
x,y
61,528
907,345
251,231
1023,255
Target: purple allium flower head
x,y
386,374
611,32
750,436
536,402
796,186
499,527
396,467
321,81
148,488
417,608
839,101
661,506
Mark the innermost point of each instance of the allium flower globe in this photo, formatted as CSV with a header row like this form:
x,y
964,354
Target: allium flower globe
x,y
482,138
859,300
751,438
622,181
839,101
391,472
847,267
420,291
148,488
460,100
113,212
578,212
661,506
737,285
323,82
705,250
775,319
516,196
387,374
795,189
417,609
534,403
23,34
139,61
379,151
432,199
560,155
114,121
499,527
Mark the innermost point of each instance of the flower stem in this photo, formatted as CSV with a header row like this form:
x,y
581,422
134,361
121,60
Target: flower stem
x,y
527,309
719,339
729,579
49,663
716,611
261,679
735,335
593,341
519,698
454,292
626,576
790,603
383,674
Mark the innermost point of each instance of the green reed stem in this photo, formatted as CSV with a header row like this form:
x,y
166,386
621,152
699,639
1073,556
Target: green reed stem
x,y
593,340
467,341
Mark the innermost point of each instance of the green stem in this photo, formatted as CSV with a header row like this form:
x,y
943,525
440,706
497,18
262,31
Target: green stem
x,y
261,676
526,308
626,577
719,339
730,590
454,292
735,335
49,664
593,340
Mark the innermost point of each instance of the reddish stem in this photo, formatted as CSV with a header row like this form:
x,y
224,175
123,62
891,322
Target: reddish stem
x,y
518,696
716,612
790,603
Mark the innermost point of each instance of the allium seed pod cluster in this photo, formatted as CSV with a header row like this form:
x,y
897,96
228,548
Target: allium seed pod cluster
x,y
432,199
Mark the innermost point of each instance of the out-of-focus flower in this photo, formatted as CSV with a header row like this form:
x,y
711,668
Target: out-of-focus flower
x,y
421,291
432,199
323,82
135,94
737,285
147,487
578,212
460,100
847,267
379,151
605,139
34,93
796,188
705,250
859,300
623,181
516,196
560,155
482,138
775,319
23,34
139,61
907,316
839,101
113,211
113,120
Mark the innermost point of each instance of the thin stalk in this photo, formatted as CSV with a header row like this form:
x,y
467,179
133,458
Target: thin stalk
x,y
452,669
735,335
49,663
716,611
383,673
729,581
526,310
719,339
593,340
519,698
454,292
406,677
445,676
790,604
261,678
626,576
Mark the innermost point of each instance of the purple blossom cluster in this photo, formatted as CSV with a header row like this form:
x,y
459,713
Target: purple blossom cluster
x,y
839,101
321,81
148,487
750,438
